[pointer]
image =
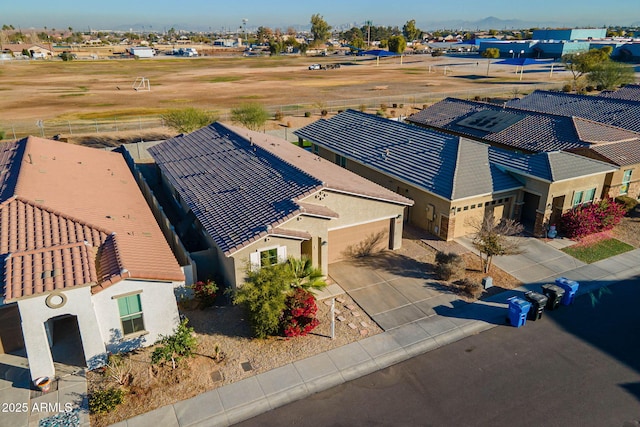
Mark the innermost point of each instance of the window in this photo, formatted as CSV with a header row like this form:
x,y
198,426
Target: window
x,y
589,195
626,179
584,196
131,314
269,257
315,148
341,160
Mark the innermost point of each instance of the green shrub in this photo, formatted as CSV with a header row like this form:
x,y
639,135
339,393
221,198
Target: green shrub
x,y
629,202
591,218
176,347
2,134
450,266
307,114
324,113
567,88
105,400
383,107
380,113
362,107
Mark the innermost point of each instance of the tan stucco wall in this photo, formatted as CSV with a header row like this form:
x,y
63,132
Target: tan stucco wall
x,y
614,182
458,223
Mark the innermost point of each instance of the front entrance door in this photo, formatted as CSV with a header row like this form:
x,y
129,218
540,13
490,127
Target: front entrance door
x,y
529,211
65,340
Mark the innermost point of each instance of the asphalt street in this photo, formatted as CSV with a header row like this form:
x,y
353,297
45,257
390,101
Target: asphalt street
x,y
577,366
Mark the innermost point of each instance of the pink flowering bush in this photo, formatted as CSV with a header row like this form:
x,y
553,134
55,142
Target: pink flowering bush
x,y
298,318
591,218
205,292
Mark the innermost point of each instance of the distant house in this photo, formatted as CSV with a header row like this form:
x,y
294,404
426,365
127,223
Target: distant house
x,y
454,181
258,199
86,268
35,50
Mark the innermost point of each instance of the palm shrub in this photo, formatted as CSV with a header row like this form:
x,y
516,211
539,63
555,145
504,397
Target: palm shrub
x,y
591,218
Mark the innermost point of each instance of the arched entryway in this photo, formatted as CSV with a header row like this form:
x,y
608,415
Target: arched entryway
x,y
65,341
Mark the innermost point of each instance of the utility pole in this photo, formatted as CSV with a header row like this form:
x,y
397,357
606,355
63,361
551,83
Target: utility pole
x,y
368,33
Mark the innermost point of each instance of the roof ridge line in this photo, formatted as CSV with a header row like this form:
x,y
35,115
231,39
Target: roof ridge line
x,y
62,214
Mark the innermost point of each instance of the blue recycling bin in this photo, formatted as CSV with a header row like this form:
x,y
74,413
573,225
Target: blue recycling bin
x,y
570,289
518,309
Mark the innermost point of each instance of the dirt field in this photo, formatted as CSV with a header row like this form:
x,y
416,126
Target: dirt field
x,y
85,89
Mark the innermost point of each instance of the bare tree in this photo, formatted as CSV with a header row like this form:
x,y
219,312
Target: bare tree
x,y
495,238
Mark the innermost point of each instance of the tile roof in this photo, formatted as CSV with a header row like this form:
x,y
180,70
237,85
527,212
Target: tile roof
x,y
448,166
550,166
333,176
55,195
236,189
529,131
622,113
628,92
621,154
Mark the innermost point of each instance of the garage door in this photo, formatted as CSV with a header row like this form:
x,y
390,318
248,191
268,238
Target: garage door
x,y
10,329
345,242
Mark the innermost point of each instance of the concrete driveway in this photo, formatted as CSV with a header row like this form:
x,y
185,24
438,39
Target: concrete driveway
x,y
541,261
392,288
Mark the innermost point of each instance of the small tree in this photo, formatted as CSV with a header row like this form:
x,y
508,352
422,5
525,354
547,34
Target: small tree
x,y
611,74
581,63
188,119
495,238
251,115
490,53
397,44
66,56
175,347
320,30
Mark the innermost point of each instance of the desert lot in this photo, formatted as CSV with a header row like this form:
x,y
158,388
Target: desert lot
x,y
102,89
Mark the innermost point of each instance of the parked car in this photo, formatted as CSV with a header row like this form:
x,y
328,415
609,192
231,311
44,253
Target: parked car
x,y
314,67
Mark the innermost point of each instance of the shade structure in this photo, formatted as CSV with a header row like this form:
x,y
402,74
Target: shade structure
x,y
379,53
520,62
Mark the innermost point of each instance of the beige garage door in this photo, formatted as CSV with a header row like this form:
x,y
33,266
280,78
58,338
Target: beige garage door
x,y
373,236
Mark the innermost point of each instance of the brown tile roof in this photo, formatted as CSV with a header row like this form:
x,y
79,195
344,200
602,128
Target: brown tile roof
x,y
595,133
64,194
333,176
296,234
317,210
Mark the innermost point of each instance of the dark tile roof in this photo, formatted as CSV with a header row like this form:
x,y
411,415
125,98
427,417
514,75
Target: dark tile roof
x,y
622,154
236,189
333,177
629,92
528,131
622,113
446,165
549,166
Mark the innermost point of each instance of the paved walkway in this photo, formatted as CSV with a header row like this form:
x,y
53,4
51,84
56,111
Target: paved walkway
x,y
455,320
64,405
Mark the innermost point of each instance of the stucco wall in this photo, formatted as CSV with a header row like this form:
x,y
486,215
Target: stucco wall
x,y
159,311
35,312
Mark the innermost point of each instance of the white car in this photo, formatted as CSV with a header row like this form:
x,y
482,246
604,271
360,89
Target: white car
x,y
314,66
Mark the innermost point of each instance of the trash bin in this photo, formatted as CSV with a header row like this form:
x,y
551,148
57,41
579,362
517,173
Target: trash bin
x,y
554,293
538,302
518,309
570,289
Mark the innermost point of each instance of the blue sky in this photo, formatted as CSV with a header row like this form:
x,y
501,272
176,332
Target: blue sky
x,y
205,14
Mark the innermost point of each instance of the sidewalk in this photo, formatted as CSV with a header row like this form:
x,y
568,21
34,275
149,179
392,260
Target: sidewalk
x,y
247,398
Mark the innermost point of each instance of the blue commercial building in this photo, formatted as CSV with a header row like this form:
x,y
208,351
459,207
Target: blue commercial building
x,y
570,34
